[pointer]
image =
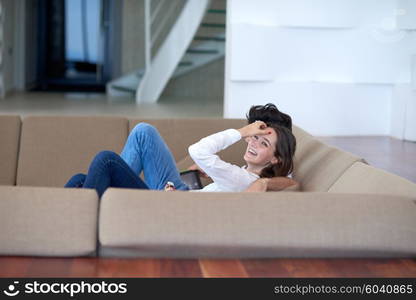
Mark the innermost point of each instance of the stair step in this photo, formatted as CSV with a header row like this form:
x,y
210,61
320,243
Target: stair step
x,y
214,25
123,89
209,38
185,63
202,51
217,11
140,74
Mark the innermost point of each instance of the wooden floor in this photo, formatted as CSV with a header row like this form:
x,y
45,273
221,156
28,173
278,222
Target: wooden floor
x,y
41,103
101,267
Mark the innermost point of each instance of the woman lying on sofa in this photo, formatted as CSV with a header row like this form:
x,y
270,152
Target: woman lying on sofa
x,y
269,158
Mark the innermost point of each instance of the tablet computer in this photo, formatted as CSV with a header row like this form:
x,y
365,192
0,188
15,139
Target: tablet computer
x,y
191,179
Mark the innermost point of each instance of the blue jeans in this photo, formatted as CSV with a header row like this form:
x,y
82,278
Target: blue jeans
x,y
146,151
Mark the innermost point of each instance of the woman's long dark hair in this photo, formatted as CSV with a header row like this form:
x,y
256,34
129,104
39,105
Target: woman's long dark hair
x,y
269,114
286,141
285,150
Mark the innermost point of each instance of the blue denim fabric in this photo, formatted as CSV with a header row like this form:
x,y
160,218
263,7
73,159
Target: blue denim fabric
x,y
107,169
144,151
76,181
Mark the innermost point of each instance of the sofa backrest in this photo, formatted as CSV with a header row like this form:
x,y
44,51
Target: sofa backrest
x,y
365,179
179,134
53,148
9,141
317,165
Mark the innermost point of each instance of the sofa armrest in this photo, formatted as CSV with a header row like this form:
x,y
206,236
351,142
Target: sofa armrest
x,y
363,178
40,221
9,137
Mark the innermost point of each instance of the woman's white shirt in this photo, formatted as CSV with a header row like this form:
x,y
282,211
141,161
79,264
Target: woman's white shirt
x,y
226,177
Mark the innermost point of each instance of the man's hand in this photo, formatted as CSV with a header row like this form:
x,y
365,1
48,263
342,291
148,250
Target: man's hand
x,y
200,171
273,184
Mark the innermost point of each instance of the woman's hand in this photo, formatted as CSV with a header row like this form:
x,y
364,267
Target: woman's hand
x,y
201,173
255,128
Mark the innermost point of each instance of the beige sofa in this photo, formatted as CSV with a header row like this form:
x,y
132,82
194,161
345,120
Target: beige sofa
x,y
345,208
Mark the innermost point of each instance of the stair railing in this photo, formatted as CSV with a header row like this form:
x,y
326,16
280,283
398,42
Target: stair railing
x,y
162,65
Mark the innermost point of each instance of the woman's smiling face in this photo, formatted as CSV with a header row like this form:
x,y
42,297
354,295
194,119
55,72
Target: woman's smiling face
x,y
260,149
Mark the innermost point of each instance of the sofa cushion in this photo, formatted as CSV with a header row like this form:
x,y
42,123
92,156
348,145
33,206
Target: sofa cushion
x,y
302,137
362,178
192,225
53,148
9,140
44,221
317,166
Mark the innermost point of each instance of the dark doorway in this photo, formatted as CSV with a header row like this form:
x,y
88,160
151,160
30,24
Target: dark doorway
x,y
74,45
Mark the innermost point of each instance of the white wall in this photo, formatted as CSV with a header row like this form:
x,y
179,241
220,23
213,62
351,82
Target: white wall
x,y
403,115
331,64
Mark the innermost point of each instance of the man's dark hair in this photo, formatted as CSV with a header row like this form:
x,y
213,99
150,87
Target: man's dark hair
x,y
269,114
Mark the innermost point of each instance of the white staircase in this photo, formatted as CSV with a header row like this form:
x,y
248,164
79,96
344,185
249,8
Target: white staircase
x,y
193,42
207,51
